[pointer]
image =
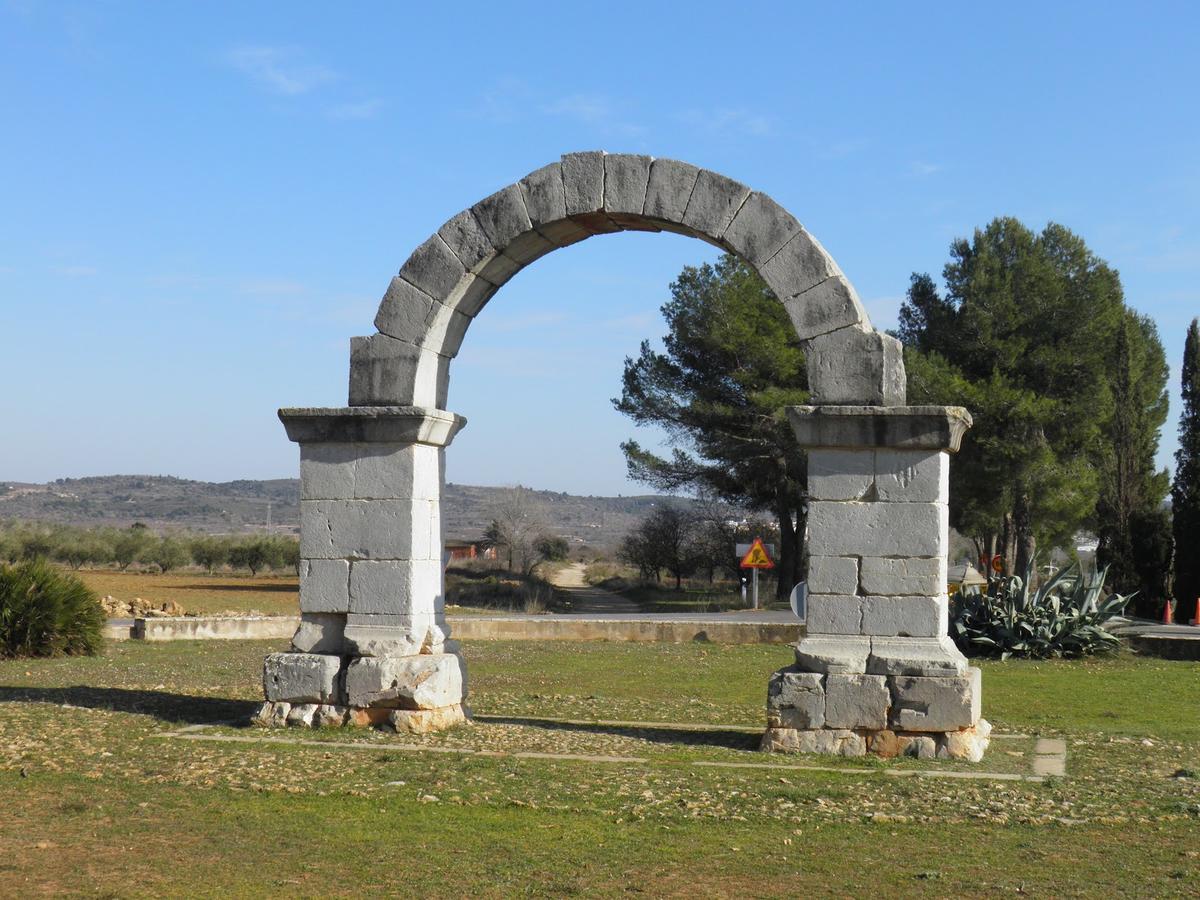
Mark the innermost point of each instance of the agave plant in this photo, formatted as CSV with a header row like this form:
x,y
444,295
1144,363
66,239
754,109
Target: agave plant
x,y
1063,617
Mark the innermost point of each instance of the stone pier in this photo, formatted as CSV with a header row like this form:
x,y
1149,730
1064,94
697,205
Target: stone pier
x,y
877,671
373,644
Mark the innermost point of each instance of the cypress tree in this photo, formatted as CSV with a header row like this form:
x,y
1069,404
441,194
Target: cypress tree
x,y
1185,492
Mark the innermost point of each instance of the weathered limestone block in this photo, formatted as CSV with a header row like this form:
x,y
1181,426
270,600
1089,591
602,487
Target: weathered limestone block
x,y
832,741
899,576
877,529
502,217
320,633
385,371
832,575
583,183
367,529
380,635
714,202
904,616
395,587
856,701
369,471
428,681
968,744
799,265
935,704
544,196
841,474
833,654
327,470
468,241
404,311
668,191
834,614
302,677
434,268
625,178
908,476
892,427
329,716
889,744
425,721
796,699
324,586
825,307
855,365
760,229
302,714
916,656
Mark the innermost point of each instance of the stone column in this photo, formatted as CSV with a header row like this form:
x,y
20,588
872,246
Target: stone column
x,y
373,644
877,671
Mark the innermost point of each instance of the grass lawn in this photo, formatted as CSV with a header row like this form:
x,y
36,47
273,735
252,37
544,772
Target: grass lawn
x,y
201,593
96,800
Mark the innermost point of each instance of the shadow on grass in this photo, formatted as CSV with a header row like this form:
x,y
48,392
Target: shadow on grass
x,y
177,709
656,734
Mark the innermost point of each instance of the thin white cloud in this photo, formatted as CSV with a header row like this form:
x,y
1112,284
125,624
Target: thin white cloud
x,y
363,109
281,70
594,110
729,120
924,169
76,271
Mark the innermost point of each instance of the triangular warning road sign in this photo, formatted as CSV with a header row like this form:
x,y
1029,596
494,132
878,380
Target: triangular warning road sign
x,y
757,558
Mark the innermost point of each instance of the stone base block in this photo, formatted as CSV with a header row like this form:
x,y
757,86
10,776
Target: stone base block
x,y
405,721
428,681
936,704
425,721
967,744
302,677
796,699
831,741
834,655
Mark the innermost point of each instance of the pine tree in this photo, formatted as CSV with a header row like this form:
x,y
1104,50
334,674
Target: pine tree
x,y
1185,492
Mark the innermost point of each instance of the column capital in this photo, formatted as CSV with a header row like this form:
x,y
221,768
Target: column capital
x,y
371,424
874,427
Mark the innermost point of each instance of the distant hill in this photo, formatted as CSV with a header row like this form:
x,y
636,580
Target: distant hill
x,y
241,506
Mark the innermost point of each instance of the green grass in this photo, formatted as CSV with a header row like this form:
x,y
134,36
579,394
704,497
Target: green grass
x,y
97,802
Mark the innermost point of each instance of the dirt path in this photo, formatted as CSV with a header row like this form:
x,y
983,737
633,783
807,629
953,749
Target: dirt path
x,y
588,599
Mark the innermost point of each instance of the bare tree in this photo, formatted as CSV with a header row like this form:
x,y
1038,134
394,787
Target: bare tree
x,y
517,525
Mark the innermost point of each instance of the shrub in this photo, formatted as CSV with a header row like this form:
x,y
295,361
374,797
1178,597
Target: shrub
x,y
1064,617
46,612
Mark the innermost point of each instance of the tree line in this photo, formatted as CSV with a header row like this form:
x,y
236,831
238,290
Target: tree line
x,y
124,547
1030,331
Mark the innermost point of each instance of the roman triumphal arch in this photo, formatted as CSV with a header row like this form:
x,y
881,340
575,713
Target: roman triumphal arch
x,y
876,671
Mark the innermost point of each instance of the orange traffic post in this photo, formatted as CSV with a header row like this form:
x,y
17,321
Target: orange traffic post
x,y
1196,618
1167,618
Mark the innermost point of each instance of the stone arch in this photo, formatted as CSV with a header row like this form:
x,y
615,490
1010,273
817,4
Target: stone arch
x,y
451,276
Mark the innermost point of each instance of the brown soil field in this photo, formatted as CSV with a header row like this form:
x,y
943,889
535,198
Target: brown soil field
x,y
200,593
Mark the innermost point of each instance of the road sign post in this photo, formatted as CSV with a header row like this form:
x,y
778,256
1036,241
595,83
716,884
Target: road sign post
x,y
756,558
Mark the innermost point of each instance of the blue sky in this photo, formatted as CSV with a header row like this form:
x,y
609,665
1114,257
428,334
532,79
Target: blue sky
x,y
203,202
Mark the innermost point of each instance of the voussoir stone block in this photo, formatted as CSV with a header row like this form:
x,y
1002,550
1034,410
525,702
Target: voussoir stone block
x,y
904,616
434,268
796,699
825,307
832,575
544,196
921,476
849,528
897,576
916,656
468,241
799,265
714,202
302,677
856,701
502,216
404,311
625,178
320,633
833,654
324,586
945,703
669,189
841,474
399,587
760,229
427,681
853,365
834,614
583,182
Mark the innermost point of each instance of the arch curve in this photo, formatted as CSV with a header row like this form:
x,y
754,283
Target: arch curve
x,y
449,278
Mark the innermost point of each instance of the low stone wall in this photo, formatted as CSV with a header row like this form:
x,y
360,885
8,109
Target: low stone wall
x,y
477,628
